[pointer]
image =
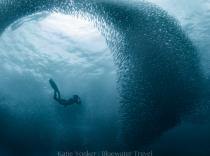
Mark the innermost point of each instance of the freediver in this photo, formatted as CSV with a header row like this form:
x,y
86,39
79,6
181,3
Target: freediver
x,y
74,100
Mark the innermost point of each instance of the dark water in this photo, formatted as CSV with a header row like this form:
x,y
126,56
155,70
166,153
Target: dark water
x,y
146,89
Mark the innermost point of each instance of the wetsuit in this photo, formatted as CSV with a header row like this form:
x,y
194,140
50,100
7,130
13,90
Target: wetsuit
x,y
57,96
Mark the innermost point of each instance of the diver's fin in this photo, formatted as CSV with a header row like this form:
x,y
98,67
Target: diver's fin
x,y
53,84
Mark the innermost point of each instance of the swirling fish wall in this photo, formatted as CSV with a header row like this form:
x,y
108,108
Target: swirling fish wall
x,y
159,76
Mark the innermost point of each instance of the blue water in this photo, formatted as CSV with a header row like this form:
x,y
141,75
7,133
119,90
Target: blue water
x,y
75,54
140,67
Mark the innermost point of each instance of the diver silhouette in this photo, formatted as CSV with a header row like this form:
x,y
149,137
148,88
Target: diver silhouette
x,y
74,100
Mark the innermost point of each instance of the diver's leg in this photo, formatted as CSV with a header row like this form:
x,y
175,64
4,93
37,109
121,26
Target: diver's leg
x,y
55,88
55,95
59,95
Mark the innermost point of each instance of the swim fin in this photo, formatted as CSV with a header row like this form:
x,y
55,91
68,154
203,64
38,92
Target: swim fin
x,y
53,85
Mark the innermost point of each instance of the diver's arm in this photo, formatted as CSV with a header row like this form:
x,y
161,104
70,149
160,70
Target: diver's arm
x,y
79,101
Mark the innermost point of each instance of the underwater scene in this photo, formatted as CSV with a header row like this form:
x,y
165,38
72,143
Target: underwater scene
x,y
104,78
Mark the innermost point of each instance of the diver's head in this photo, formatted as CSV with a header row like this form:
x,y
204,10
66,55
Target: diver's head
x,y
76,99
